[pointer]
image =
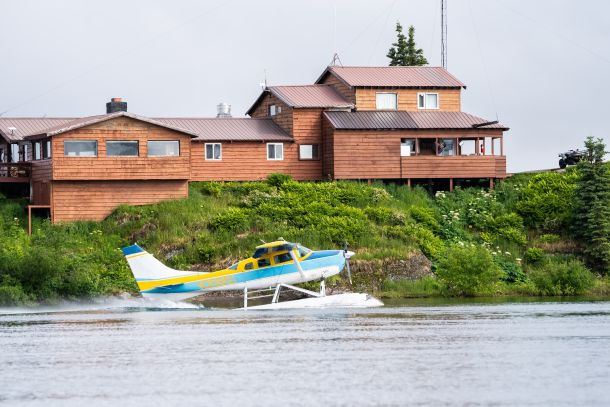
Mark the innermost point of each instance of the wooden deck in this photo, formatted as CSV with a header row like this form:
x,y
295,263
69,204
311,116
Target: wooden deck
x,y
15,172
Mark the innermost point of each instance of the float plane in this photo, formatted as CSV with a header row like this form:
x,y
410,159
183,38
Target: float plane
x,y
273,267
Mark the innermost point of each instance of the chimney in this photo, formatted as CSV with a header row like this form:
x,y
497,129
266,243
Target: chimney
x,y
116,105
224,110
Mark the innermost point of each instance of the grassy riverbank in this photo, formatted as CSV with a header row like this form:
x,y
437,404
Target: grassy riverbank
x,y
515,240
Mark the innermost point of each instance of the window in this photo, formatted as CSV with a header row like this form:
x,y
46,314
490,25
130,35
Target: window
x,y
275,151
427,100
386,101
80,148
407,147
309,152
446,147
213,151
266,262
467,147
274,110
169,148
128,148
46,150
282,258
37,151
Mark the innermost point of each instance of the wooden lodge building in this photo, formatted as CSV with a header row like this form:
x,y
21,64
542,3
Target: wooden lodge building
x,y
401,124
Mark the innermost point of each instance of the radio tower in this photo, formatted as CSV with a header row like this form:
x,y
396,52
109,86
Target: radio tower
x,y
444,33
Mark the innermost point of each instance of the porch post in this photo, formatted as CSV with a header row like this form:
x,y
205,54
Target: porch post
x,y
491,183
493,144
502,146
450,184
29,220
409,182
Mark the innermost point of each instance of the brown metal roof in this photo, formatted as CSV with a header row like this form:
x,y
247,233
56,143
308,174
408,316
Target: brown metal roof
x,y
399,120
310,96
25,126
394,76
305,96
230,129
89,120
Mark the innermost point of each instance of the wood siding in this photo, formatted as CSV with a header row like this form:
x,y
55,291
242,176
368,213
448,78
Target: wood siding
x,y
376,155
449,99
41,182
121,168
344,90
283,119
247,161
95,200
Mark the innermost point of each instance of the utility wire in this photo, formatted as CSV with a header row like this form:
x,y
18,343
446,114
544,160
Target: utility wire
x,y
383,28
111,60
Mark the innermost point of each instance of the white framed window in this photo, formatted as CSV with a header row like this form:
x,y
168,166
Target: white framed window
x,y
427,100
126,148
386,101
37,150
169,148
274,110
407,147
275,151
309,152
213,151
80,148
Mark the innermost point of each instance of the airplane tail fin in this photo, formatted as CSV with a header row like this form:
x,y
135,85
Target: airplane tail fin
x,y
146,268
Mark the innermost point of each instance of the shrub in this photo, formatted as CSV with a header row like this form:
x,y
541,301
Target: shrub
x,y
549,238
384,216
509,227
278,179
467,270
428,242
425,216
234,219
512,271
548,200
534,255
210,188
557,276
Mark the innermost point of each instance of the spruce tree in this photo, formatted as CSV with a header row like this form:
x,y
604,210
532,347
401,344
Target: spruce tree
x,y
404,51
592,216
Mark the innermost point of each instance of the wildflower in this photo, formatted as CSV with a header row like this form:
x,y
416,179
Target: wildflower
x,y
507,253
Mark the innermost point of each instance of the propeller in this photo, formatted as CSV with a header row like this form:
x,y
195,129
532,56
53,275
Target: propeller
x,y
347,254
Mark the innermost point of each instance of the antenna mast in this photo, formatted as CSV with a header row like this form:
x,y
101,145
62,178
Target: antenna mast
x,y
444,33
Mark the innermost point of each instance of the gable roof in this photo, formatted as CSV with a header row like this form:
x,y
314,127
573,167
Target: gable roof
x,y
89,120
230,129
401,120
393,76
14,129
305,96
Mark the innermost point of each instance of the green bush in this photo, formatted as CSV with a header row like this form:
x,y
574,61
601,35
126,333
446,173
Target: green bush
x,y
278,179
508,227
534,255
547,202
512,270
384,216
549,238
467,270
425,216
234,220
559,276
210,188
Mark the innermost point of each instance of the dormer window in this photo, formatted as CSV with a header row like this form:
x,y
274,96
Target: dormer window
x,y
386,101
274,110
427,100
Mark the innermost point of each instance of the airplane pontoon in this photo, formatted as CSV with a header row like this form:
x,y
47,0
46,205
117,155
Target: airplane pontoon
x,y
273,267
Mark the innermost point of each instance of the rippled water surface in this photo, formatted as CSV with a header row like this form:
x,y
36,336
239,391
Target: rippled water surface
x,y
505,354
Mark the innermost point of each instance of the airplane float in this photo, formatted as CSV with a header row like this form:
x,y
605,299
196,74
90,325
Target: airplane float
x,y
273,267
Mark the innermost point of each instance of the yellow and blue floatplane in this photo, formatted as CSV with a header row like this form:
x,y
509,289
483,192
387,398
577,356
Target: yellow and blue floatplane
x,y
273,267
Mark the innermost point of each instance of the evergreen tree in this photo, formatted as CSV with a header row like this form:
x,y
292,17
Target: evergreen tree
x,y
404,51
592,215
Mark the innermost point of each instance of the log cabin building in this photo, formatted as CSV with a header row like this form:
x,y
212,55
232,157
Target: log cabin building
x,y
402,124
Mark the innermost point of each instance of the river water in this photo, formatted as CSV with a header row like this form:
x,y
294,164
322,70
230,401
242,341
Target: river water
x,y
129,353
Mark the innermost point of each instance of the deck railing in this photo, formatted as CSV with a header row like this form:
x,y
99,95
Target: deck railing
x,y
14,172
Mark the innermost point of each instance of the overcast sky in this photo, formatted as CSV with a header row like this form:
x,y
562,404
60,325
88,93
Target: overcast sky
x,y
541,67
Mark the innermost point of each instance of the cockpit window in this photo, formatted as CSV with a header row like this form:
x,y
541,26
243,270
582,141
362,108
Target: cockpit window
x,y
282,258
264,263
232,267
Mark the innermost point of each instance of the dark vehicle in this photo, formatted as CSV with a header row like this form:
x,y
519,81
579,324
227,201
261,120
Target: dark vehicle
x,y
572,157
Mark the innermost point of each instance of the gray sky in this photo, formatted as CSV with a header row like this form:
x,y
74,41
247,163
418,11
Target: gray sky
x,y
541,66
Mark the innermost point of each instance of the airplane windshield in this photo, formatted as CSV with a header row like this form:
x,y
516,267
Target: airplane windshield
x,y
303,251
261,251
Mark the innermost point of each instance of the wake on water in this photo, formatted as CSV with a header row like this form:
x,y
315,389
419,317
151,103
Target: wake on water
x,y
105,303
